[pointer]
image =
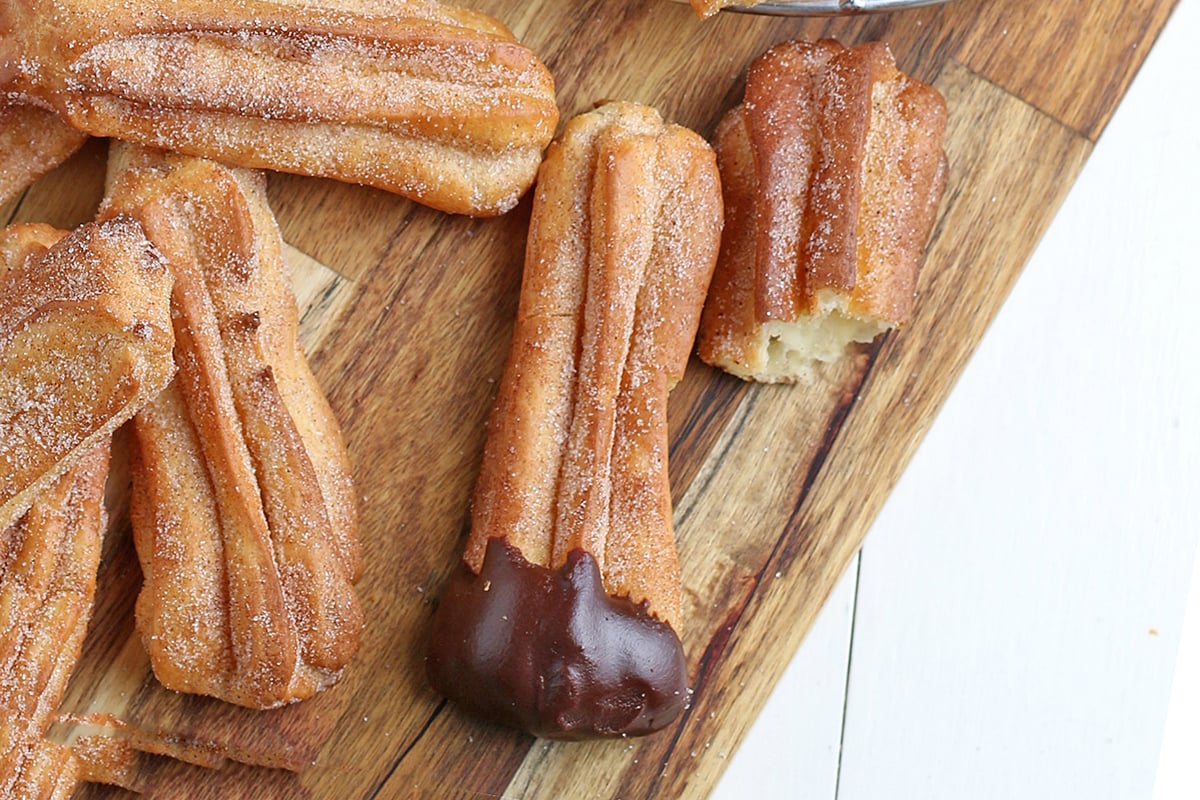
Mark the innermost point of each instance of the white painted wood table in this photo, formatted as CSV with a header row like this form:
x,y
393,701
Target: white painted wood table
x,y
1014,621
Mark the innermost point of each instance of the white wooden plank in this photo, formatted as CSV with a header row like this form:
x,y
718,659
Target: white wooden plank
x,y
1021,596
792,749
1178,775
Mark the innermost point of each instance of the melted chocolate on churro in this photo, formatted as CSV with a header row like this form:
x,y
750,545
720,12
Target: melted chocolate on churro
x,y
547,651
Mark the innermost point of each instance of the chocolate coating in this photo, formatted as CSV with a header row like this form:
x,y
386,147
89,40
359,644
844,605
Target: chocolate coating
x,y
549,652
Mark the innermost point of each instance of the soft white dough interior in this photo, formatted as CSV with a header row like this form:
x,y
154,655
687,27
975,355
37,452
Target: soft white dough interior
x,y
790,348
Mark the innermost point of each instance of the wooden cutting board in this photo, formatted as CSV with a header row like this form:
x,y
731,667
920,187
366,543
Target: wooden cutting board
x,y
407,320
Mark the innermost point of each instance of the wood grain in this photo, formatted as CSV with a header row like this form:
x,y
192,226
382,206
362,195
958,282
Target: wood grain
x,y
407,320
1039,52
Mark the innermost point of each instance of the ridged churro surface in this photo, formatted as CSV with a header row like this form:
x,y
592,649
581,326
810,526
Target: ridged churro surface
x,y
48,562
85,341
243,510
32,142
571,523
436,103
832,169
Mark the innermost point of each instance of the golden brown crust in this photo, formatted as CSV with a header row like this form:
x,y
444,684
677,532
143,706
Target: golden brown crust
x,y
625,227
905,177
833,170
706,8
243,512
48,562
85,341
33,141
729,317
438,104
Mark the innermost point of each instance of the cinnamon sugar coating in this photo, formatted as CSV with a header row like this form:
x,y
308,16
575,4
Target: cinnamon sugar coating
x,y
439,104
48,562
621,246
563,617
32,142
243,511
832,169
85,341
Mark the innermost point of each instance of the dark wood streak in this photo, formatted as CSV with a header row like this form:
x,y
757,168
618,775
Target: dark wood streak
x,y
699,408
404,753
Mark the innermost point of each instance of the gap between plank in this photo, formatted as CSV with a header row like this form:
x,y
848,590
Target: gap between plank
x,y
837,782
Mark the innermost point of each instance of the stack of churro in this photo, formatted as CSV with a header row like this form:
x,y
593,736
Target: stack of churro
x,y
85,341
244,514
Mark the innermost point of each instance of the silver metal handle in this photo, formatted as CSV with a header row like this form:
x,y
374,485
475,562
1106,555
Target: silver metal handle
x,y
827,8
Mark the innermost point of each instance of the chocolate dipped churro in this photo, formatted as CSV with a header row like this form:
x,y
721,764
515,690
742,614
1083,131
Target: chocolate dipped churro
x,y
563,617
